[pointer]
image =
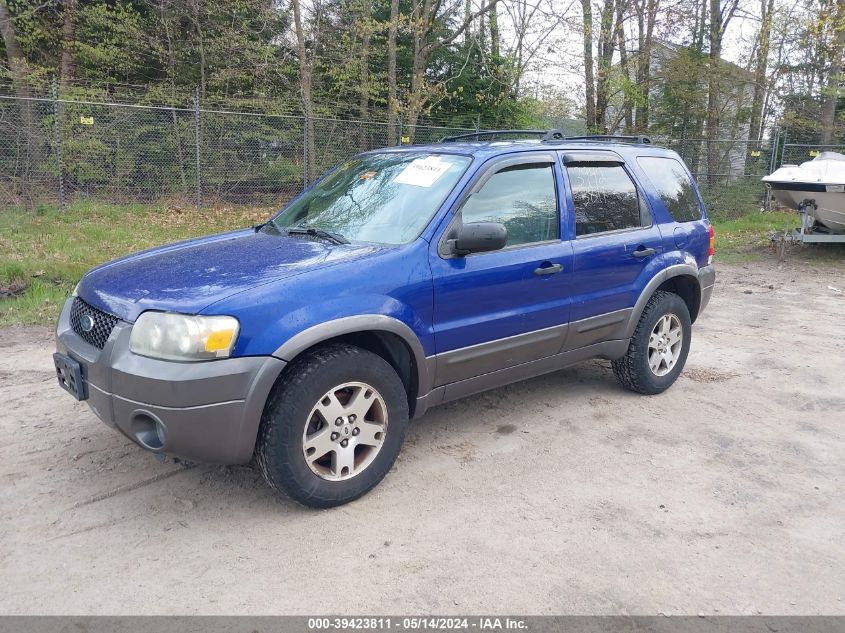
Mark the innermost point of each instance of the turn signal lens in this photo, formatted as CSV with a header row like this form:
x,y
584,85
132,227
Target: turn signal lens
x,y
219,340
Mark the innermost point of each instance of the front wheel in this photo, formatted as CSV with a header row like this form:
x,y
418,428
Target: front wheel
x,y
659,347
333,426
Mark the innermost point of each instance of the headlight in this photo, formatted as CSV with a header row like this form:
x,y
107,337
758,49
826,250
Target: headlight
x,y
75,292
174,336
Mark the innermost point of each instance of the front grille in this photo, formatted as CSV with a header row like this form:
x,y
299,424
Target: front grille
x,y
103,323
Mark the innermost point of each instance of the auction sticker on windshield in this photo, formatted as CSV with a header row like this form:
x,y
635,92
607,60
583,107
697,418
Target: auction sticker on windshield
x,y
422,172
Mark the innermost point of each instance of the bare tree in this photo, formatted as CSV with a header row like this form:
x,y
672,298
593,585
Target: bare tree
x,y
532,24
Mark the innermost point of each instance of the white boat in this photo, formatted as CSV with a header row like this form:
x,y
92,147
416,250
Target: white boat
x,y
817,186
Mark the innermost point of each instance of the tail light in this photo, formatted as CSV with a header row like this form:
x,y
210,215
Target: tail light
x,y
712,244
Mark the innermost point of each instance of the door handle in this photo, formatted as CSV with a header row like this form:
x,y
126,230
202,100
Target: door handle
x,y
643,252
548,270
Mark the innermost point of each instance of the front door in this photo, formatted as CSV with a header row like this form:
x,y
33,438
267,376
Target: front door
x,y
503,308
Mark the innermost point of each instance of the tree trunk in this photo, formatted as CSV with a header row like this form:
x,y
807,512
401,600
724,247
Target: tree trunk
x,y
67,67
197,19
467,13
833,75
719,19
305,75
589,81
713,85
171,71
627,110
364,97
29,148
761,66
646,19
605,61
416,99
419,20
494,36
392,97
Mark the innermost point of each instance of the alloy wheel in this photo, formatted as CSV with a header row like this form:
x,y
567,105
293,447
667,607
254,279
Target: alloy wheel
x,y
345,431
664,344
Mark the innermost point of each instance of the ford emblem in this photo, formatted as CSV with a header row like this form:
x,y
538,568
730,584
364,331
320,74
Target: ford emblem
x,y
87,323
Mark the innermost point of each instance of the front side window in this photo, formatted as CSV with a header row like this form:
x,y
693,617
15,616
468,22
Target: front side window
x,y
605,199
523,198
386,198
673,185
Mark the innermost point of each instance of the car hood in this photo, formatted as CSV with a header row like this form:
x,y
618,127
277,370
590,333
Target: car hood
x,y
189,276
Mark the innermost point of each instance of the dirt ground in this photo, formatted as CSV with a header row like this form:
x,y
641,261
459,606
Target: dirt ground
x,y
563,494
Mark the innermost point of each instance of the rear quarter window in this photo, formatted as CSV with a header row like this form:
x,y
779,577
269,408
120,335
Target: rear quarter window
x,y
673,185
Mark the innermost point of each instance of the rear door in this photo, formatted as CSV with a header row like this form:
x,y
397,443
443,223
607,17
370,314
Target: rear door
x,y
615,240
502,308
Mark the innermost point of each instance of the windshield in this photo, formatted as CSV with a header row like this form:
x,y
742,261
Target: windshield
x,y
386,198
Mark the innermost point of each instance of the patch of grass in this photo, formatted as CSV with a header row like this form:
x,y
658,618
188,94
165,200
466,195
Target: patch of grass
x,y
48,251
751,230
732,200
748,238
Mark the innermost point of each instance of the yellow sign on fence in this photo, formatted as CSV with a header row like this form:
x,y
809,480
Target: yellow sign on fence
x,y
755,153
814,152
86,120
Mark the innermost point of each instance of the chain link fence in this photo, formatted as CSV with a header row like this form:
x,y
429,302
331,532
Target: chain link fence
x,y
56,151
797,153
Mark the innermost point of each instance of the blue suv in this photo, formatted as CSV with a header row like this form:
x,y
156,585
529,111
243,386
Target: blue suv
x,y
402,279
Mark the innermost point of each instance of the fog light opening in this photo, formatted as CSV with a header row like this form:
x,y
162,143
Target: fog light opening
x,y
148,430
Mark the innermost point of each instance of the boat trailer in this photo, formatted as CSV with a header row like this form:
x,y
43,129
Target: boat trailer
x,y
810,231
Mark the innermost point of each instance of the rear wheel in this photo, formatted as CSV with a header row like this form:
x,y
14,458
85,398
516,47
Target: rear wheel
x,y
333,426
659,347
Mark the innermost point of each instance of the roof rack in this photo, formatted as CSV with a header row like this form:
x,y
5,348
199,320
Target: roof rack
x,y
477,135
548,135
641,139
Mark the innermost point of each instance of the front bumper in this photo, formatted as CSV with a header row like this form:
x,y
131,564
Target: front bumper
x,y
706,280
208,411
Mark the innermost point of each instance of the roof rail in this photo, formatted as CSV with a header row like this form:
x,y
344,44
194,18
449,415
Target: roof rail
x,y
548,135
545,135
641,139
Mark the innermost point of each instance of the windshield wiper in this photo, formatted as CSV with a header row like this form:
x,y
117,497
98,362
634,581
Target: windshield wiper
x,y
330,236
269,225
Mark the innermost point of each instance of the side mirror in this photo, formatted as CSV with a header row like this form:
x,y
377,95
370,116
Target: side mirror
x,y
479,237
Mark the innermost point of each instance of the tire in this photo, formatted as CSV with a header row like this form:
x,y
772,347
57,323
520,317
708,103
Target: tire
x,y
635,371
295,421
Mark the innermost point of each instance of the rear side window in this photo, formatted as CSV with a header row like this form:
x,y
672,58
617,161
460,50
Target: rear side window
x,y
605,199
523,198
673,185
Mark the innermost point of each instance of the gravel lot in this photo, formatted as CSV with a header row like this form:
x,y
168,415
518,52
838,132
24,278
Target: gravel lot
x,y
562,494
